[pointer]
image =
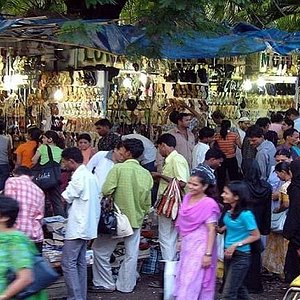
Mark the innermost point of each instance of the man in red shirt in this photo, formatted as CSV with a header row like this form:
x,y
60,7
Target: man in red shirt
x,y
31,202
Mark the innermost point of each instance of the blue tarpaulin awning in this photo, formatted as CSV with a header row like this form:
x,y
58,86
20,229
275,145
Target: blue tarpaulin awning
x,y
243,38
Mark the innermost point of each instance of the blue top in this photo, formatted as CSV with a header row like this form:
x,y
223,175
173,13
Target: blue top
x,y
239,229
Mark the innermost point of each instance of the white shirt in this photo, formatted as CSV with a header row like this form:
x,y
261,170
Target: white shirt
x,y
102,163
82,193
297,124
149,154
198,154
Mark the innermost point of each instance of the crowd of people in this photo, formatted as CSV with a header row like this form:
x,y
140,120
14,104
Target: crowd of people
x,y
236,180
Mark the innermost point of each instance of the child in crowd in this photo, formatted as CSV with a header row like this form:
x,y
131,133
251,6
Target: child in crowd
x,y
241,230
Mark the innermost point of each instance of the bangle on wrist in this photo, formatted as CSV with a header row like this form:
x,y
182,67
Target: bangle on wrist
x,y
208,254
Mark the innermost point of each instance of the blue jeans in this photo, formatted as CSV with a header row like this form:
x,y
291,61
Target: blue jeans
x,y
74,268
4,174
236,270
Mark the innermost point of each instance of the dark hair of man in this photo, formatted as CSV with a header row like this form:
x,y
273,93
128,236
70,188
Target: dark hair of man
x,y
288,122
104,122
263,122
276,117
255,131
134,146
22,171
240,189
206,132
218,115
168,139
291,111
181,116
289,132
84,136
283,166
225,126
214,153
72,153
9,208
173,116
284,152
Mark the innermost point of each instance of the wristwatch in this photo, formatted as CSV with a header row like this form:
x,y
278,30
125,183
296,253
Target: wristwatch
x,y
240,244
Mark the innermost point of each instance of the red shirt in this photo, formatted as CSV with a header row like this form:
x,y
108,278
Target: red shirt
x,y
228,146
31,205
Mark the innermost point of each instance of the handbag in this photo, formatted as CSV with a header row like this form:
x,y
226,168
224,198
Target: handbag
x,y
108,220
169,203
123,225
278,220
48,175
43,276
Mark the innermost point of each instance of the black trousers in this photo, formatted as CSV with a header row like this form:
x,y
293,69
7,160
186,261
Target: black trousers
x,y
292,263
229,165
53,204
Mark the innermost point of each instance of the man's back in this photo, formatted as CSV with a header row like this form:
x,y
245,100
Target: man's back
x,y
130,185
32,201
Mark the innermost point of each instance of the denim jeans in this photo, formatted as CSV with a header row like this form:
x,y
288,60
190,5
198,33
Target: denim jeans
x,y
4,174
236,270
74,267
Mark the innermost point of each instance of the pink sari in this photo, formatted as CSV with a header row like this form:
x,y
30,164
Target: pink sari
x,y
192,281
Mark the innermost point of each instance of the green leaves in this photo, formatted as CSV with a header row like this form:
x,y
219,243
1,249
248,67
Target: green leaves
x,y
90,3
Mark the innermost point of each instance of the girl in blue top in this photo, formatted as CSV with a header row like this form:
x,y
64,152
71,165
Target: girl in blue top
x,y
241,230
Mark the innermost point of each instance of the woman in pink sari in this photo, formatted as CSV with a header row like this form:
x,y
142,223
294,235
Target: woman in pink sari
x,y
196,224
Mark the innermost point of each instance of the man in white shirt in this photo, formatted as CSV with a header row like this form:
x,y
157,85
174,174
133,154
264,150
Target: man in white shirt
x,y
82,193
101,163
206,136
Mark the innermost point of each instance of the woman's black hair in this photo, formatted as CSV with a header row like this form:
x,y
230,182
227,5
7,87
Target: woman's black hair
x,y
51,134
35,135
225,126
204,179
240,189
9,208
283,166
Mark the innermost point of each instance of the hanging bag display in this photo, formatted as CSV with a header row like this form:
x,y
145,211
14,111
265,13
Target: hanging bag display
x,y
48,175
123,225
169,203
278,220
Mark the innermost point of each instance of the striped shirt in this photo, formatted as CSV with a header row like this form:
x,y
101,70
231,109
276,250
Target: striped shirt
x,y
228,146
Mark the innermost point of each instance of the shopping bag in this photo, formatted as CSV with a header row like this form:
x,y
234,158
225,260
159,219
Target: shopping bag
x,y
169,203
169,279
123,225
43,276
48,175
278,220
108,220
220,246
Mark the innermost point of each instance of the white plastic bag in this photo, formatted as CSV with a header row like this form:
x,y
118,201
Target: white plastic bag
x,y
169,279
220,246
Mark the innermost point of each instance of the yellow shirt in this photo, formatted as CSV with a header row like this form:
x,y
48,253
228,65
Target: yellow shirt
x,y
175,166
